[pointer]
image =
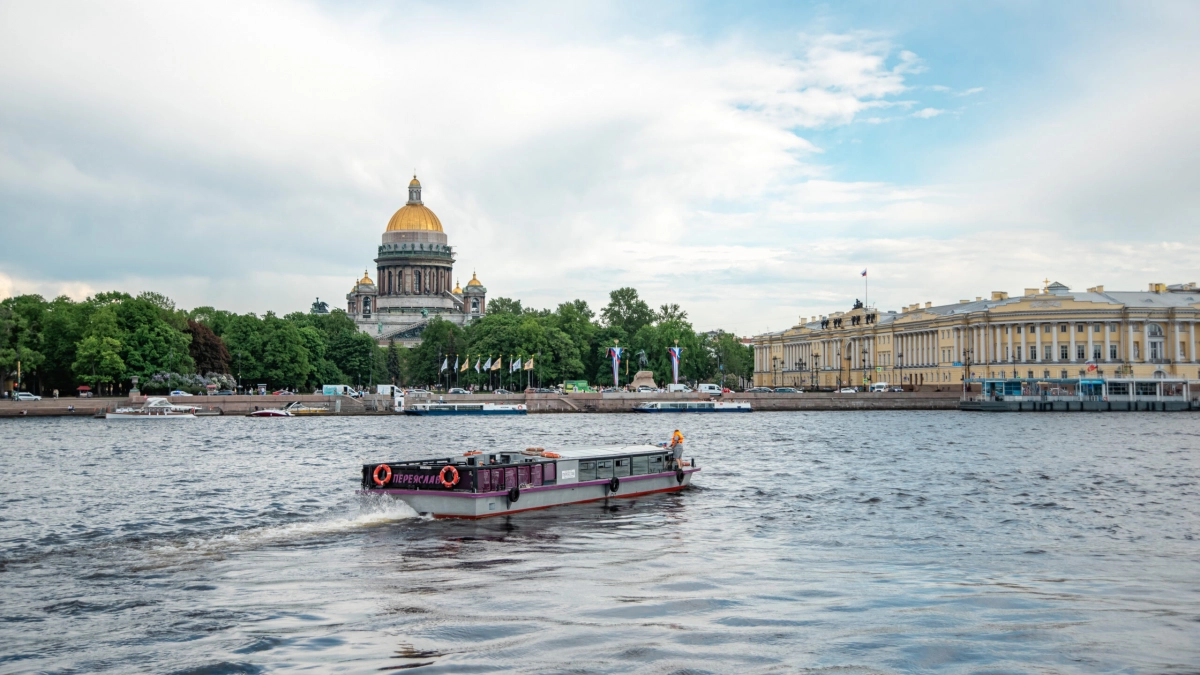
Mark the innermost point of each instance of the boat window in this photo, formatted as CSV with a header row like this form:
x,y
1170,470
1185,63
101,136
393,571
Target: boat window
x,y
523,475
1118,388
604,469
535,475
510,478
587,471
485,482
549,473
621,467
641,465
656,464
497,480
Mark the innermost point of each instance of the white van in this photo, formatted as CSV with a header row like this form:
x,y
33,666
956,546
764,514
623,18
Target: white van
x,y
678,388
711,389
335,390
879,388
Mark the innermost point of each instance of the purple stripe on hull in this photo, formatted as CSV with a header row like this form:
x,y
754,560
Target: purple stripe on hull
x,y
544,488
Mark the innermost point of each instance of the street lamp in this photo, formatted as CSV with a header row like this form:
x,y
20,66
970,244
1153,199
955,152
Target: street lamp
x,y
900,367
866,375
968,355
816,357
774,371
799,368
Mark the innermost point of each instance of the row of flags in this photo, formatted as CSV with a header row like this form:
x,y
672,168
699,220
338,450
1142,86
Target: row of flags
x,y
480,367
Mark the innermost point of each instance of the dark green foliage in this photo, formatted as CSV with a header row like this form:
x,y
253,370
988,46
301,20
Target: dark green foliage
x,y
110,337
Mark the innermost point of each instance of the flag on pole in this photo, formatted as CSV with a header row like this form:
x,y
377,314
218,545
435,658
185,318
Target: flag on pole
x,y
529,364
615,353
466,364
496,365
445,364
676,352
515,365
455,361
478,360
864,273
488,365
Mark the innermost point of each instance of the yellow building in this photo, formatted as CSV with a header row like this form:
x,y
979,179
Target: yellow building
x,y
1046,333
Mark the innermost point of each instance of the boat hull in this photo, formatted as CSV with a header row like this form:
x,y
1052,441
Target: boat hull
x,y
141,416
703,411
438,413
488,504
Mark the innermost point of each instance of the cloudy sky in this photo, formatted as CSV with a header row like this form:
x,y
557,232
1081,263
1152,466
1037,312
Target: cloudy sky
x,y
746,161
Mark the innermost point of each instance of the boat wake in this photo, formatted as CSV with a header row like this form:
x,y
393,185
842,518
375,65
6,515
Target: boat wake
x,y
367,511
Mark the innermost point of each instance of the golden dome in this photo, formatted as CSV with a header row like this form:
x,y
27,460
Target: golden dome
x,y
366,279
473,281
457,289
414,217
414,182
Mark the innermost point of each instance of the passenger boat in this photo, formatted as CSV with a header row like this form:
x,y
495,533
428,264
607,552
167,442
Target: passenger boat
x,y
270,412
442,408
692,406
481,485
154,408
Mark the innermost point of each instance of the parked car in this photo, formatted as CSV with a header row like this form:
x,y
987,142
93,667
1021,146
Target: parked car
x,y
760,390
225,392
25,396
542,390
787,390
179,392
900,389
646,390
458,390
847,390
502,392
418,391
610,390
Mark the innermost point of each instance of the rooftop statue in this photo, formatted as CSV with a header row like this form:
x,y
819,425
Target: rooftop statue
x,y
319,307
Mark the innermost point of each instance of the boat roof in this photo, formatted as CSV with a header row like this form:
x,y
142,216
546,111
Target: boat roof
x,y
605,451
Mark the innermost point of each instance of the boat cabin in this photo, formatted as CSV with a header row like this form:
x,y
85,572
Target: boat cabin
x,y
494,472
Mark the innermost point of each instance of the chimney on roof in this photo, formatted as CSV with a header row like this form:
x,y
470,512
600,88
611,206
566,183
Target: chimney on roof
x,y
1158,288
928,304
1096,289
999,295
963,302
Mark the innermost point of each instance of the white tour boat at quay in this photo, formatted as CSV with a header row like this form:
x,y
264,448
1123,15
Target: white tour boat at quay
x,y
481,485
444,408
154,409
692,407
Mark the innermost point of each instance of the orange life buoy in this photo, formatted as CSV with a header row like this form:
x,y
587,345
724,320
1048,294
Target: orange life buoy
x,y
453,481
552,455
472,452
387,474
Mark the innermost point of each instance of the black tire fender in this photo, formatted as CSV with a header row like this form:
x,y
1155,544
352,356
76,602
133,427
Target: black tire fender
x,y
514,495
679,476
614,485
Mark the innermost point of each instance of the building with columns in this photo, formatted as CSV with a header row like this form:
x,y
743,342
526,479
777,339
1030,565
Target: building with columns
x,y
1050,332
415,273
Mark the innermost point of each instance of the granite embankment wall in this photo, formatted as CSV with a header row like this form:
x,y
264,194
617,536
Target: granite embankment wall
x,y
538,403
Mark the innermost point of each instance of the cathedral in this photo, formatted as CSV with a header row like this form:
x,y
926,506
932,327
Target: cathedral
x,y
415,271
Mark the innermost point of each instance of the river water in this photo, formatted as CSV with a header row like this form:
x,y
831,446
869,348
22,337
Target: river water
x,y
874,542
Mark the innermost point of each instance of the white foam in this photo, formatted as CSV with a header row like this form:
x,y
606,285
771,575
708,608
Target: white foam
x,y
369,511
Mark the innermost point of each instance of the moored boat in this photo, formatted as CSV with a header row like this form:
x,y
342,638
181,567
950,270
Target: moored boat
x,y
481,485
299,408
154,408
692,406
442,408
270,412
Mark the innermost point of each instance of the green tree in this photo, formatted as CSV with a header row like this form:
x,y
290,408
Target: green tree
x,y
504,306
439,339
626,310
98,361
394,366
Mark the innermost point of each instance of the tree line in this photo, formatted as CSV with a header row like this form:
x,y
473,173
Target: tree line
x,y
105,340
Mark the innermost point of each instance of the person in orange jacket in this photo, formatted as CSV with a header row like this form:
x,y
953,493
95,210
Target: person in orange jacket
x,y
677,448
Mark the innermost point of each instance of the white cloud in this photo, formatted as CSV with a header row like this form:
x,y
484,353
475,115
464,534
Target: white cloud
x,y
253,164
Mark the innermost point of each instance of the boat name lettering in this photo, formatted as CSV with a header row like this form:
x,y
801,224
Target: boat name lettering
x,y
416,479
568,473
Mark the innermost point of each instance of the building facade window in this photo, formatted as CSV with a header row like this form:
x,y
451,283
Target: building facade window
x,y
1063,354
1046,354
1080,351
1112,352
